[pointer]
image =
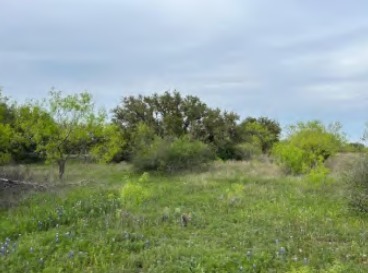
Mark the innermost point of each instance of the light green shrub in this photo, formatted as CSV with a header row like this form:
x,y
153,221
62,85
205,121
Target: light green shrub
x,y
294,159
133,194
308,145
319,175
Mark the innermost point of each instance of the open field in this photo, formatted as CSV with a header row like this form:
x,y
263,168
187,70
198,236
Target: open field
x,y
235,217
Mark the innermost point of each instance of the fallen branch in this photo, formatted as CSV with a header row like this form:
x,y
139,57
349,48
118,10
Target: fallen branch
x,y
10,183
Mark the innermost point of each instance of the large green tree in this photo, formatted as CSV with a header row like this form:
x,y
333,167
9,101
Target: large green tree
x,y
171,115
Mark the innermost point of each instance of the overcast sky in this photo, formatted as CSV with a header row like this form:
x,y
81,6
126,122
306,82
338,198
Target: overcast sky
x,y
288,60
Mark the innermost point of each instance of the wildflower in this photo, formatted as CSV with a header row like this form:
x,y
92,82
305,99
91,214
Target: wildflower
x,y
31,249
147,243
3,250
249,254
59,212
282,251
71,254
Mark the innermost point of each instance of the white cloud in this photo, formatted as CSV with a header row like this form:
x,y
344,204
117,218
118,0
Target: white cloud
x,y
189,13
350,94
350,60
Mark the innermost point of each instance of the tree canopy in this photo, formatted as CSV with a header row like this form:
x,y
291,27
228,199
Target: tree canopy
x,y
171,116
65,125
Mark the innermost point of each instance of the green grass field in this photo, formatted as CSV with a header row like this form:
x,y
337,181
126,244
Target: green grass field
x,y
235,217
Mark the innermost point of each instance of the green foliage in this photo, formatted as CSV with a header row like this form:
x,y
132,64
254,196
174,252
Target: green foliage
x,y
354,147
148,158
172,116
263,130
6,110
110,143
308,145
184,153
234,194
319,175
5,143
335,268
6,131
240,222
247,151
172,155
133,194
357,179
313,136
294,159
65,125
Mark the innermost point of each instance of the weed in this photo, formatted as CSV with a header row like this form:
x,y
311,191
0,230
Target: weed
x,y
277,224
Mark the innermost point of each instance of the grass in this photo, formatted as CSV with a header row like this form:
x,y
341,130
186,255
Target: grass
x,y
244,217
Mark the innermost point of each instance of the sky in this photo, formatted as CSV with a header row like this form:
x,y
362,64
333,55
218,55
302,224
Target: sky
x,y
287,60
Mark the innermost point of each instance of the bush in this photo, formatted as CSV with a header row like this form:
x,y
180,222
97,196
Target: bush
x,y
148,158
294,159
133,194
172,156
247,151
357,180
308,146
319,175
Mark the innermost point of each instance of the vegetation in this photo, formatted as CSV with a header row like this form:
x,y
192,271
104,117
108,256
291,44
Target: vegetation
x,y
308,145
357,179
236,217
60,127
151,213
6,131
262,132
172,116
172,155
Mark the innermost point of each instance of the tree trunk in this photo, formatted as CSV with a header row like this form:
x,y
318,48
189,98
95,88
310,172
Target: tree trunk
x,y
61,164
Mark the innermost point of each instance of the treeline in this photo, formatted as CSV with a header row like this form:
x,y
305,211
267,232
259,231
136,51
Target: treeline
x,y
166,132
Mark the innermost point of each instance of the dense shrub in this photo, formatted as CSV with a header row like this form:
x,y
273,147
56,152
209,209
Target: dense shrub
x,y
247,151
172,155
308,146
357,180
133,194
294,160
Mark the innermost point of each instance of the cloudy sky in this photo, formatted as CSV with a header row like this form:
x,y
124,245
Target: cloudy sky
x,y
288,60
